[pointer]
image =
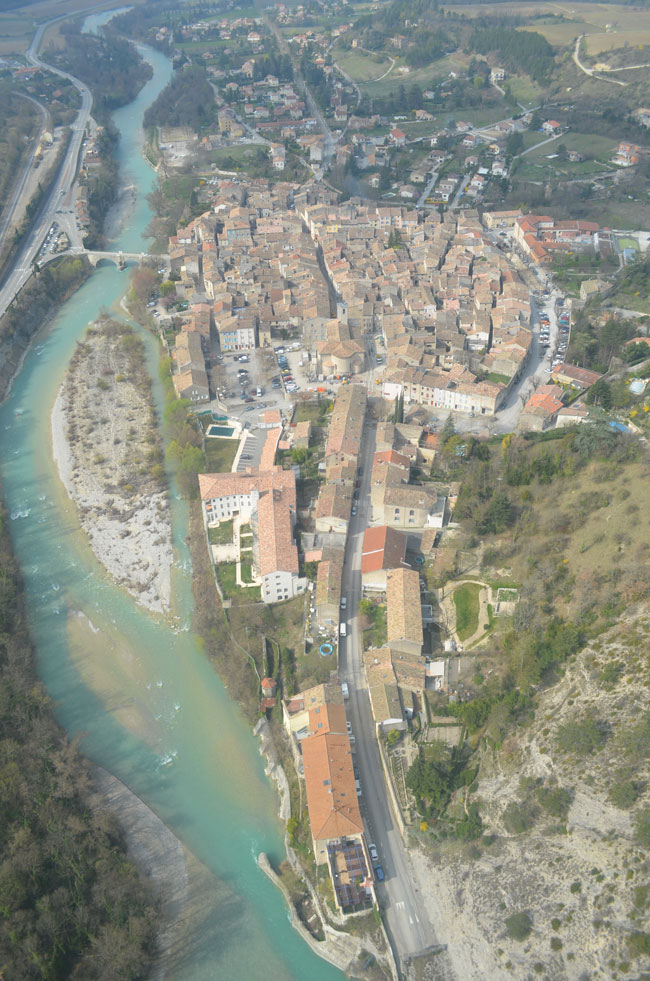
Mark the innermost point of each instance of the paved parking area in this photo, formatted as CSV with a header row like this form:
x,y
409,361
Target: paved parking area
x,y
252,450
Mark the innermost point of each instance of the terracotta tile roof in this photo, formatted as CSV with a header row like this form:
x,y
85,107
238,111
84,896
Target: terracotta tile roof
x,y
215,485
403,608
277,549
330,785
327,718
582,376
311,698
383,548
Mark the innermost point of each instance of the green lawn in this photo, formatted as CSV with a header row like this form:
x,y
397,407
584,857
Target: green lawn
x,y
220,455
467,608
495,377
246,566
227,576
221,534
525,90
311,411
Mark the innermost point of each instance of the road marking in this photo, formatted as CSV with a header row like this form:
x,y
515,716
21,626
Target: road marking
x,y
399,905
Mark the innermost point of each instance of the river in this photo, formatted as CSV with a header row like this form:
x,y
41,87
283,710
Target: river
x,y
142,698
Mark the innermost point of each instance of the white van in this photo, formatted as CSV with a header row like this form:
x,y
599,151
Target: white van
x,y
343,629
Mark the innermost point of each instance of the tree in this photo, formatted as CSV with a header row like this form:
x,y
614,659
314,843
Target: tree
x,y
448,430
600,393
514,144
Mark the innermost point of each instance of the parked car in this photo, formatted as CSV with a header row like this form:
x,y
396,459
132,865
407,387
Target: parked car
x,y
374,854
249,398
379,873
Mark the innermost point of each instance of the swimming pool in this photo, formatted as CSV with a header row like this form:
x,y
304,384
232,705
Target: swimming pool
x,y
226,432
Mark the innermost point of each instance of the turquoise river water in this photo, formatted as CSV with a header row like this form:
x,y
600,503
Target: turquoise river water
x,y
138,692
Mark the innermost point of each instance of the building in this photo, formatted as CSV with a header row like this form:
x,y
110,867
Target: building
x,y
328,589
541,409
569,374
384,548
383,689
404,612
330,783
266,499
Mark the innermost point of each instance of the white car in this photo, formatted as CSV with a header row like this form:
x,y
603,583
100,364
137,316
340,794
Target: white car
x,y
374,854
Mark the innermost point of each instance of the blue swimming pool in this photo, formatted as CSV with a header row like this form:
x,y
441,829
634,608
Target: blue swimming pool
x,y
225,432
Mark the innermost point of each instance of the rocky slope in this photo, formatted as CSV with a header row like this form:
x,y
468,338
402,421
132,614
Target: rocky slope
x,y
108,452
559,885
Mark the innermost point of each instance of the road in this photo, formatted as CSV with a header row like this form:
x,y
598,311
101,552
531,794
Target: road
x,y
590,71
19,185
329,142
404,915
59,196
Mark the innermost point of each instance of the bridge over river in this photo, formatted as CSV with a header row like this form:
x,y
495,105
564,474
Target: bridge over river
x,y
121,259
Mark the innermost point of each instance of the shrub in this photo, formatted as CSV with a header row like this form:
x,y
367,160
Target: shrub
x,y
623,794
519,926
643,827
581,735
639,943
519,817
576,887
555,801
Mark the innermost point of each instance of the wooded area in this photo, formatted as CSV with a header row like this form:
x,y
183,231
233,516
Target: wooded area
x,y
110,67
70,902
188,100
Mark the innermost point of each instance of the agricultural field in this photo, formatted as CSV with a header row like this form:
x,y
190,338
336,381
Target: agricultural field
x,y
559,33
15,33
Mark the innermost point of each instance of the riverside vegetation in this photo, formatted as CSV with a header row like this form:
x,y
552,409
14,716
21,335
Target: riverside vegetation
x,y
113,70
71,904
552,784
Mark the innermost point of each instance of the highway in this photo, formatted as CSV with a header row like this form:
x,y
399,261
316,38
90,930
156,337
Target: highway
x,y
59,195
404,914
19,184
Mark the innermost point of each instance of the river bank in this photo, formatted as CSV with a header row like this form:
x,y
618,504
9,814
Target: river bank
x,y
106,445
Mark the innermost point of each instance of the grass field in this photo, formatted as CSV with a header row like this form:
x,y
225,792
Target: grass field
x,y
220,455
536,165
361,65
560,33
525,90
467,609
594,15
598,43
419,76
221,534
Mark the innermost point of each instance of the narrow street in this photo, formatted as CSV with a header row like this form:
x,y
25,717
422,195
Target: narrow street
x,y
404,913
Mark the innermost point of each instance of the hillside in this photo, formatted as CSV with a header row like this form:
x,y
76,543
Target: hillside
x,y
539,824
